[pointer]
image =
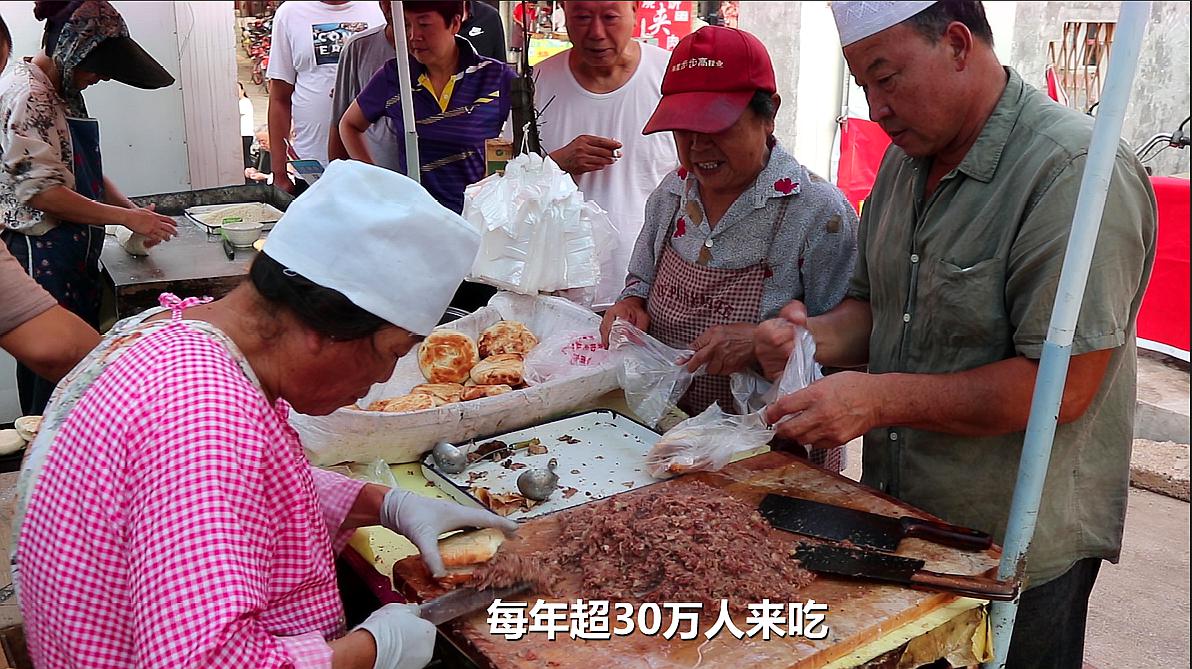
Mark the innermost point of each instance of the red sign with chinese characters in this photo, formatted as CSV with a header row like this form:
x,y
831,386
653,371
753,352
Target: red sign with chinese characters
x,y
663,23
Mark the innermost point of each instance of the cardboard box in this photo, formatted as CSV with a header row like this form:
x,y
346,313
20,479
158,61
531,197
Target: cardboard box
x,y
497,152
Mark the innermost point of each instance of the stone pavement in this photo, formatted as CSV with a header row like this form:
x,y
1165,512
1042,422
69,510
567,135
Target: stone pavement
x,y
1160,459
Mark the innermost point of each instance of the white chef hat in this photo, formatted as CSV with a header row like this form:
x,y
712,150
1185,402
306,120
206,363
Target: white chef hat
x,y
857,20
380,239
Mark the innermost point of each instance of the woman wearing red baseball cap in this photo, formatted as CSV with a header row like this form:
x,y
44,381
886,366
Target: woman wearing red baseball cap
x,y
741,229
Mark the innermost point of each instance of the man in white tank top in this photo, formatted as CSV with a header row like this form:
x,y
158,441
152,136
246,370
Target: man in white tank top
x,y
594,100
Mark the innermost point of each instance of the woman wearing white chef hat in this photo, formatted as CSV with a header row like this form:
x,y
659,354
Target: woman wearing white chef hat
x,y
166,468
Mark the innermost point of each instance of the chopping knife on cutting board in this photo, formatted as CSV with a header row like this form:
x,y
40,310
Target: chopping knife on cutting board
x,y
861,528
855,563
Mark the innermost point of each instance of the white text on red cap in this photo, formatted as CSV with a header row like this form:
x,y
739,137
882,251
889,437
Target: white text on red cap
x,y
696,62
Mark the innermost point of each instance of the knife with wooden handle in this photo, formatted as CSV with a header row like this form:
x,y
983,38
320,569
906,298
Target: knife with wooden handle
x,y
871,530
857,563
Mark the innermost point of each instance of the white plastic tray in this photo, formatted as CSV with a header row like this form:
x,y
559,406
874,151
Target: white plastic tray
x,y
609,458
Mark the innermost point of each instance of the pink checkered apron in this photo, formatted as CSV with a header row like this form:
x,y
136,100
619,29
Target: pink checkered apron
x,y
687,298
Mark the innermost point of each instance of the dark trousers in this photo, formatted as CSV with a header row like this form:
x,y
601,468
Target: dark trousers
x,y
64,261
1049,629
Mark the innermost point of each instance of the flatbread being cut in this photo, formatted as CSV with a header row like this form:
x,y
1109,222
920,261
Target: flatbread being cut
x,y
506,337
444,393
476,392
446,356
506,368
463,552
412,402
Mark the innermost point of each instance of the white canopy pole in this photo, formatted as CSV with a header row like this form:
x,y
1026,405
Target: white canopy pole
x,y
404,88
1057,349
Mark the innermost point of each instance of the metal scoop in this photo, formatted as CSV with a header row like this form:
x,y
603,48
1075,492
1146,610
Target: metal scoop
x,y
538,484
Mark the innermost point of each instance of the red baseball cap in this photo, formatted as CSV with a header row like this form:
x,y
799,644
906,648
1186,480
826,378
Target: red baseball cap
x,y
712,75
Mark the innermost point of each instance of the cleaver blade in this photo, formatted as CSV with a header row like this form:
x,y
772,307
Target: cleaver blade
x,y
870,530
855,563
462,601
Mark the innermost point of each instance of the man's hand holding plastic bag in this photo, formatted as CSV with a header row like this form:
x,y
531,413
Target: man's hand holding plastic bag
x,y
652,374
824,414
753,393
708,442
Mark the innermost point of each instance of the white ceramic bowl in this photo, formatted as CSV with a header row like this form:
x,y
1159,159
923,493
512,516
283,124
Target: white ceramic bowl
x,y
242,235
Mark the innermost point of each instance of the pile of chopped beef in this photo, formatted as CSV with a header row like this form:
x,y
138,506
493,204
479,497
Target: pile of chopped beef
x,y
690,543
507,569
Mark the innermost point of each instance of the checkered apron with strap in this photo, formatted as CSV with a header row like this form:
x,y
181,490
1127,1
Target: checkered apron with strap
x,y
688,298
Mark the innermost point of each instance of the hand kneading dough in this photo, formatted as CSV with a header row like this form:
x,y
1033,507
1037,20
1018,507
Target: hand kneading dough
x,y
404,403
506,337
446,356
133,243
444,393
476,392
506,368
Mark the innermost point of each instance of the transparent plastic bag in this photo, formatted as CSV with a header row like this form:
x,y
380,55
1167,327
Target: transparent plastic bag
x,y
565,355
377,471
651,373
753,393
538,233
707,442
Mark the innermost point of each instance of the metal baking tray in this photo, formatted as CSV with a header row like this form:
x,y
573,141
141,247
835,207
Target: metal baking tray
x,y
270,214
600,453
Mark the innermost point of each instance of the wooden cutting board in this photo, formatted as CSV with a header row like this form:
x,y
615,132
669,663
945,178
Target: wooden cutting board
x,y
859,612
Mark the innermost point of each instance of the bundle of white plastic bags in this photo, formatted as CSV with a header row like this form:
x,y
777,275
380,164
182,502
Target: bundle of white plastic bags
x,y
538,234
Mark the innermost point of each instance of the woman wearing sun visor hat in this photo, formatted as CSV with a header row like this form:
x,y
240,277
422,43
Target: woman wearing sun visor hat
x,y
741,229
167,466
54,197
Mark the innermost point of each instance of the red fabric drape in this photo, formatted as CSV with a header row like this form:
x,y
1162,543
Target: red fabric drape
x,y
862,145
1164,317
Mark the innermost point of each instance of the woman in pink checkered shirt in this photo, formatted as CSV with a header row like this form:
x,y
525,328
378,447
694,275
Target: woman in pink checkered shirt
x,y
167,516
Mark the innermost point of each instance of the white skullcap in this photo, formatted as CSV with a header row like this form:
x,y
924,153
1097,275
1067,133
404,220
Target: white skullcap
x,y
380,239
857,20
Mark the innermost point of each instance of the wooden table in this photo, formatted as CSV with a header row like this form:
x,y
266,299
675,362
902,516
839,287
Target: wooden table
x,y
191,264
859,612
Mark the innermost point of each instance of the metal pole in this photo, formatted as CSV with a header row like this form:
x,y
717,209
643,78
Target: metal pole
x,y
1057,350
413,167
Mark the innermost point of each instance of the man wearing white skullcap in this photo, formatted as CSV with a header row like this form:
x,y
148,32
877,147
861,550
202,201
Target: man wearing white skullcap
x,y
960,249
166,462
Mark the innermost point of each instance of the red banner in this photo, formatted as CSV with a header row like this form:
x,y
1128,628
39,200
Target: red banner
x,y
1163,321
862,145
663,23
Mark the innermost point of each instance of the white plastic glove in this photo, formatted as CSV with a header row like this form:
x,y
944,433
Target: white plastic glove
x,y
422,520
404,641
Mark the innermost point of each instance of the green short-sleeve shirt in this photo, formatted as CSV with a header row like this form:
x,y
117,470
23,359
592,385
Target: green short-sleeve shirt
x,y
968,277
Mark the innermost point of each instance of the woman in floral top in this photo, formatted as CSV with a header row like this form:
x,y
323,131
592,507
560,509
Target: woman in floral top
x,y
740,230
54,198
